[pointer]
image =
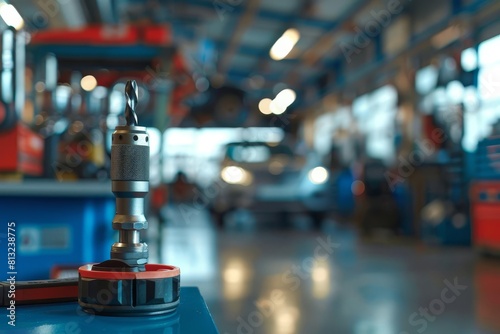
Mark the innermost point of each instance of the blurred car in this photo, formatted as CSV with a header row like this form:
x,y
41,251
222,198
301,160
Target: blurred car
x,y
266,178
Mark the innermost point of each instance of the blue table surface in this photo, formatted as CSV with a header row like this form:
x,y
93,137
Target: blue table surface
x,y
191,316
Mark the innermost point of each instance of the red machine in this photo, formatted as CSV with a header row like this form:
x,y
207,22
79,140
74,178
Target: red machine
x,y
21,151
152,42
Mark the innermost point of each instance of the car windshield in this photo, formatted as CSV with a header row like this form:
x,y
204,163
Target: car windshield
x,y
255,152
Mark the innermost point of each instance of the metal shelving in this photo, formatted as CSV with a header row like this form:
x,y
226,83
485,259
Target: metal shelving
x,y
53,188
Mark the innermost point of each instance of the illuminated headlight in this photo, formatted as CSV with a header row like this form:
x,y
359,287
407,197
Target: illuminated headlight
x,y
236,175
318,175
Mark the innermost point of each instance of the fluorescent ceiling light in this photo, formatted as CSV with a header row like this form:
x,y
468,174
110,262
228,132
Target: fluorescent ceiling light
x,y
11,16
276,108
285,98
284,44
318,175
282,101
264,106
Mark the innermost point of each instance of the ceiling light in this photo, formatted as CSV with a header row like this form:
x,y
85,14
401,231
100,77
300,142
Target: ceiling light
x,y
11,16
264,106
318,175
284,44
88,83
285,98
276,108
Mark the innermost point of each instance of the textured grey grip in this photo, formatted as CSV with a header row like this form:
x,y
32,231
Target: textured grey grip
x,y
129,162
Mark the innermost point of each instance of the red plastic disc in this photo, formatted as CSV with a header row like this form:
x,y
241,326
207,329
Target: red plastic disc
x,y
152,271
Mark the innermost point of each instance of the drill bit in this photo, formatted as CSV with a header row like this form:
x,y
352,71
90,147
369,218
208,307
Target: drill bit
x,y
131,95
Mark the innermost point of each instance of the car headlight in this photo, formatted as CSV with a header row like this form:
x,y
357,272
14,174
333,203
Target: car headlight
x,y
236,175
318,175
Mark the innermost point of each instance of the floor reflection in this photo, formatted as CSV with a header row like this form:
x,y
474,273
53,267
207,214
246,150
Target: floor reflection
x,y
321,280
258,281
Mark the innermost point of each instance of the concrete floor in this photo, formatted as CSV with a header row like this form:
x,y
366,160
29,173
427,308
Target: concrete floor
x,y
287,282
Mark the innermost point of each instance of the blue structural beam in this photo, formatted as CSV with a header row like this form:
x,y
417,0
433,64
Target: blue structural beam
x,y
262,13
100,51
298,19
236,16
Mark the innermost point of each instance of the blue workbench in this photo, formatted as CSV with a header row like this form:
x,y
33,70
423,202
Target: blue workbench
x,y
191,317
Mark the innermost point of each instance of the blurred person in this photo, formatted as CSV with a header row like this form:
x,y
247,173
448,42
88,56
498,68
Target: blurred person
x,y
181,189
377,208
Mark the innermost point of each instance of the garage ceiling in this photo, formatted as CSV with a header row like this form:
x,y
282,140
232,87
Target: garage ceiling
x,y
231,38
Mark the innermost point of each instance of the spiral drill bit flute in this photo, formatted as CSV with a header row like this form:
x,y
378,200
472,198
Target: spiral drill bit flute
x,y
131,95
126,284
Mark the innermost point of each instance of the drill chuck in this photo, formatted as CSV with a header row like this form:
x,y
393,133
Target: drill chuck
x,y
130,184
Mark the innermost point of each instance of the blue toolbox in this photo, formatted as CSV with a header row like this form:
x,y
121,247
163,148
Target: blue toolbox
x,y
56,223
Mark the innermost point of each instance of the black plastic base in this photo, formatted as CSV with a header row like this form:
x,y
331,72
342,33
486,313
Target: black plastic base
x,y
118,293
128,311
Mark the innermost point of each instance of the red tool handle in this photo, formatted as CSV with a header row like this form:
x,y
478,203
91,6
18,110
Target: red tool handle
x,y
38,292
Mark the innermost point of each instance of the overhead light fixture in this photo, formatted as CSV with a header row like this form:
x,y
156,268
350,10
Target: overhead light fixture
x,y
279,104
88,83
264,106
286,97
276,108
282,101
318,175
11,16
284,44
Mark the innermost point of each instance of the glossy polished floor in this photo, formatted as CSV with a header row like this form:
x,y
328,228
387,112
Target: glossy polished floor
x,y
302,281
